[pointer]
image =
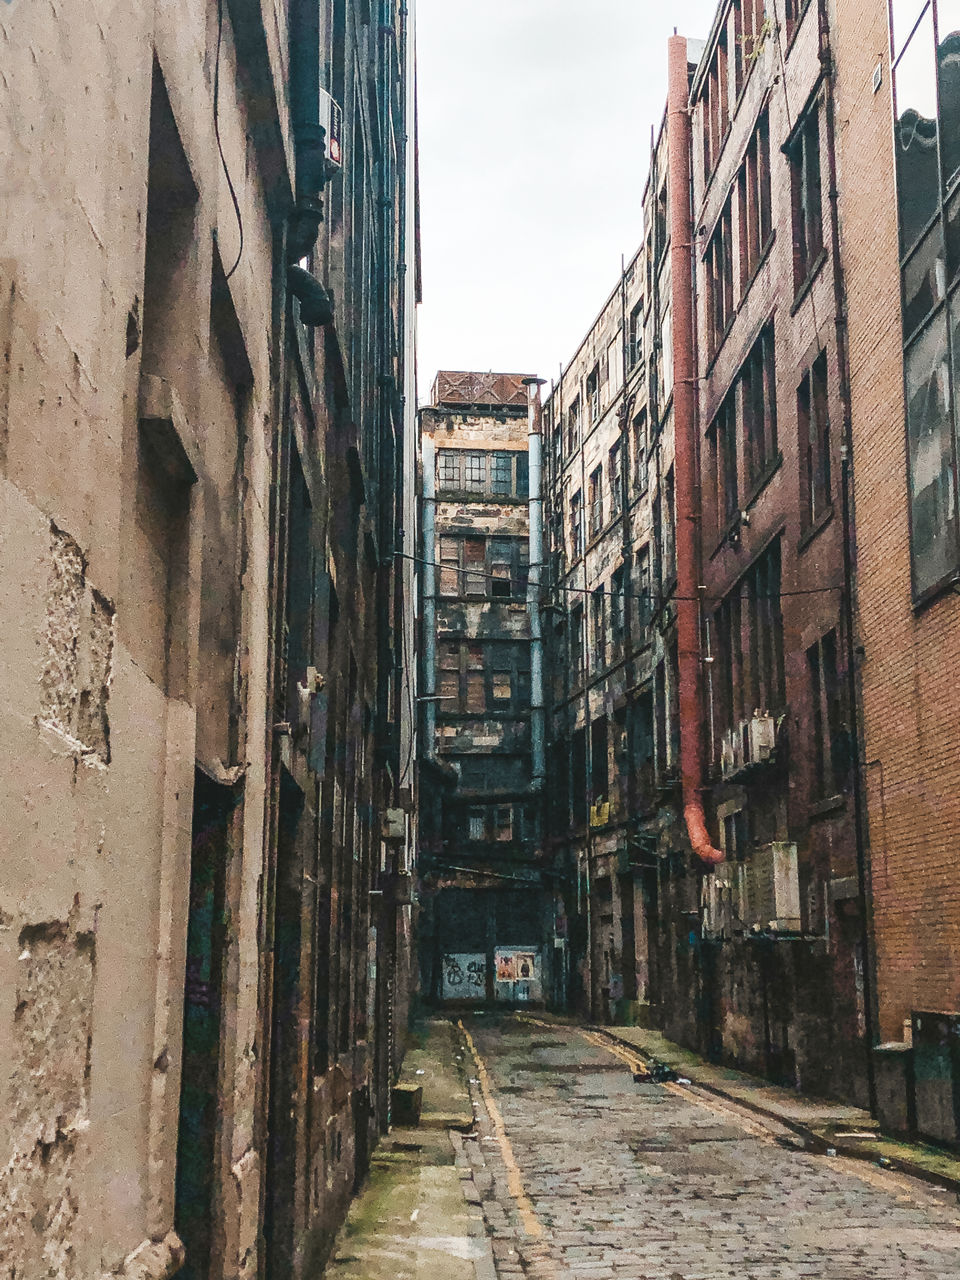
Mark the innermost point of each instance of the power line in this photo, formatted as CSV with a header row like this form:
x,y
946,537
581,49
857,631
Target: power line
x,y
589,591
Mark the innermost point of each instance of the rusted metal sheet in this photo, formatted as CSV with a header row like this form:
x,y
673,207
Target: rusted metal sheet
x,y
454,387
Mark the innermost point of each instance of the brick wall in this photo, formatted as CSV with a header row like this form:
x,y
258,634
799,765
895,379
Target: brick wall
x,y
910,694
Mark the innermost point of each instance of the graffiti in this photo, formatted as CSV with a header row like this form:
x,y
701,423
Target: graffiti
x,y
464,977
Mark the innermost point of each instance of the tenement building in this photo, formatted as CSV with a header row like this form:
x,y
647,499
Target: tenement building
x,y
604,676
487,915
208,275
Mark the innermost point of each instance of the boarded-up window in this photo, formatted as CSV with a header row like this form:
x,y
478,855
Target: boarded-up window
x,y
474,557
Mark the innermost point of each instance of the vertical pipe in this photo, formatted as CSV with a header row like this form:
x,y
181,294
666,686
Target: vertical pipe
x,y
864,895
429,600
687,506
535,503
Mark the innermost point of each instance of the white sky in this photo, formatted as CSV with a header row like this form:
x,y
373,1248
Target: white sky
x,y
535,120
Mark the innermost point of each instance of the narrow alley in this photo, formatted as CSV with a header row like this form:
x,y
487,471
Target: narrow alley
x,y
583,1172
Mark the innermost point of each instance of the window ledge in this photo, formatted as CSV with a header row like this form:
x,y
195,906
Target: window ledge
x,y
811,531
807,284
165,425
828,805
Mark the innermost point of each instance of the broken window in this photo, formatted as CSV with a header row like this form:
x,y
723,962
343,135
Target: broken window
x,y
576,641
449,566
503,822
475,565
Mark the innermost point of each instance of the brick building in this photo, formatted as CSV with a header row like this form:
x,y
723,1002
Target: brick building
x,y
896,90
201,929
753,949
486,923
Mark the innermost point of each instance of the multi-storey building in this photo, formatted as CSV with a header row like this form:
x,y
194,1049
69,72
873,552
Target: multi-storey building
x,y
201,917
754,948
897,171
486,918
781,960
600,494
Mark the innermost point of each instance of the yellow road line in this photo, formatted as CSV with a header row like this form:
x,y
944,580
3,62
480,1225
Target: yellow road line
x,y
529,1219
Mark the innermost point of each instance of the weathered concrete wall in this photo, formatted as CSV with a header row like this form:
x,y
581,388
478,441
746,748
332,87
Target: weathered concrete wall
x,y
113,589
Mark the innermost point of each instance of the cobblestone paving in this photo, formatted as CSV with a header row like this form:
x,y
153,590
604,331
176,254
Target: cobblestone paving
x,y
626,1181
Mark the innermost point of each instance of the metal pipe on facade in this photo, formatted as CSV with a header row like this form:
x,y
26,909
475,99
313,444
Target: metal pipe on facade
x,y
429,599
864,893
685,448
535,504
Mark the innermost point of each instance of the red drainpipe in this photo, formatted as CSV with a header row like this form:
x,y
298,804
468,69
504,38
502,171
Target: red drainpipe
x,y
685,461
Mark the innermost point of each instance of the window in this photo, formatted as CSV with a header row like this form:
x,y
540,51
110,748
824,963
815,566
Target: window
x,y
593,393
502,475
576,641
814,422
475,824
641,731
599,762
669,568
475,565
764,632
719,260
753,184
596,501
748,625
926,80
478,678
831,743
576,525
644,588
640,450
617,612
723,463
503,822
573,426
498,475
598,626
759,407
616,480
715,104
804,155
475,472
449,566
448,468
635,336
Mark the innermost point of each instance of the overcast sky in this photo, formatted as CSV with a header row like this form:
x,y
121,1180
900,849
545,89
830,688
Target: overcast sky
x,y
535,119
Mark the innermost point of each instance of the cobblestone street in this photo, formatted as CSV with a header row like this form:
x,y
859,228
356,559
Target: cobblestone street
x,y
583,1173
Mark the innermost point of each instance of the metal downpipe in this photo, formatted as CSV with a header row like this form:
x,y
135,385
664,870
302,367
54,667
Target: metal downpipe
x,y
685,463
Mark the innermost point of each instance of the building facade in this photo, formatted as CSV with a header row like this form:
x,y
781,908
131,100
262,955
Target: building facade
x,y
749,926
897,173
205,694
487,917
